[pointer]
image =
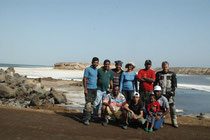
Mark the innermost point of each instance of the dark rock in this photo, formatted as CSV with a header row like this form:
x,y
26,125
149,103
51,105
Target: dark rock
x,y
6,92
58,96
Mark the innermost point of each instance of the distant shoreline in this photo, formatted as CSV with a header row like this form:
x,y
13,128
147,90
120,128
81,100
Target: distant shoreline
x,y
178,70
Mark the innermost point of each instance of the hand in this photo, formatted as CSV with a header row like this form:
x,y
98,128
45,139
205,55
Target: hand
x,y
158,118
110,90
172,93
85,91
111,108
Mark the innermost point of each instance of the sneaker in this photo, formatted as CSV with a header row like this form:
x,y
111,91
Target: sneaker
x,y
105,122
150,130
175,125
124,126
86,122
146,129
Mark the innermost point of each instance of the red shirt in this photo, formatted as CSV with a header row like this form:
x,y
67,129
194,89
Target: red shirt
x,y
145,86
155,104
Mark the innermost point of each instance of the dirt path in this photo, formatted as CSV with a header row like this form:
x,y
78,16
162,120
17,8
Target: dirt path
x,y
23,124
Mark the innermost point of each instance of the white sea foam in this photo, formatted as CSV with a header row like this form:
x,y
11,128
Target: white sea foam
x,y
179,110
44,72
195,87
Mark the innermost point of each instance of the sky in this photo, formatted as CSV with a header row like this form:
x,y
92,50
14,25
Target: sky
x,y
44,32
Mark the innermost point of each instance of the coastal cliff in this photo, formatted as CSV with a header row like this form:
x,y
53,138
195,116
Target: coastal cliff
x,y
75,65
178,70
189,70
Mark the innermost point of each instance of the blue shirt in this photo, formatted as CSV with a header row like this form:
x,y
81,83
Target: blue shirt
x,y
128,80
91,75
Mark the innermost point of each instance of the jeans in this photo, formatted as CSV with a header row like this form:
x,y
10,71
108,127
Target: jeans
x,y
98,102
128,95
158,123
145,97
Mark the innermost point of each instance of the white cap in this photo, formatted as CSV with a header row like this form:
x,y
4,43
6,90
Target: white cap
x,y
136,94
157,88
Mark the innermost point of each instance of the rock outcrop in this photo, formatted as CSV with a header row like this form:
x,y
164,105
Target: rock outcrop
x,y
19,91
75,66
188,70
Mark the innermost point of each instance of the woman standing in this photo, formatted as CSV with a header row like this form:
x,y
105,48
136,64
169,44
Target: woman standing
x,y
128,81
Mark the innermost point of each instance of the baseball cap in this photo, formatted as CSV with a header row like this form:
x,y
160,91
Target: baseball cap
x,y
149,62
136,94
157,88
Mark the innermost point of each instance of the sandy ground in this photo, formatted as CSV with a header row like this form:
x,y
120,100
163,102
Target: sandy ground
x,y
63,124
55,122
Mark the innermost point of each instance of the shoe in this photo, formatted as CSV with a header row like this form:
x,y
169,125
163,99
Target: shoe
x,y
175,125
105,122
86,122
146,129
124,126
150,130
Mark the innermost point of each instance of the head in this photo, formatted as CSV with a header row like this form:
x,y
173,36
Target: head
x,y
107,64
148,64
95,62
136,97
152,98
165,66
118,64
157,91
130,66
116,90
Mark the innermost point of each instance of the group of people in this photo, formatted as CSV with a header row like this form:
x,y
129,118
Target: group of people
x,y
116,93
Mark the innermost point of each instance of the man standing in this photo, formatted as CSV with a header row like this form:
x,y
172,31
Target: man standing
x,y
146,78
117,73
168,82
104,85
164,107
90,89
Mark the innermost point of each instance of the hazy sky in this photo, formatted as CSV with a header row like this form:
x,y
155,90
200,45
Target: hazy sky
x,y
50,31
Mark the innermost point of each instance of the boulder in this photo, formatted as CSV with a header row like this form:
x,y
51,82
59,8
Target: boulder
x,y
6,91
58,96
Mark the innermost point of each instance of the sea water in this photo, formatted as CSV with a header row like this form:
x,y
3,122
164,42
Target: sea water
x,y
192,95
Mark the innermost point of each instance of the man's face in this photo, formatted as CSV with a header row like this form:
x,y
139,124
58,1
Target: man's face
x,y
165,67
106,66
118,67
116,91
95,64
148,66
157,93
136,99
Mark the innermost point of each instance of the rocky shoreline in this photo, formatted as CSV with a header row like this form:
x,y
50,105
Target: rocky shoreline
x,y
178,70
22,92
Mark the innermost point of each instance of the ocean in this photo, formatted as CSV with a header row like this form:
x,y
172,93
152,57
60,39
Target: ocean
x,y
192,95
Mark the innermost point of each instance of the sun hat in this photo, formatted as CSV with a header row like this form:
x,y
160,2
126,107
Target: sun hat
x,y
157,88
130,63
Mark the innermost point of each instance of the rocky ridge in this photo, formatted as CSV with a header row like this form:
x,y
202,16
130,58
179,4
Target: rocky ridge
x,y
21,92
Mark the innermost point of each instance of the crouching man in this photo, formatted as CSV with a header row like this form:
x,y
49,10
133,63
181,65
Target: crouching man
x,y
135,111
113,106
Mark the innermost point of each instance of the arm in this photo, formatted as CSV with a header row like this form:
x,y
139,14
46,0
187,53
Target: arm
x,y
152,79
135,83
85,85
86,74
140,115
174,82
121,81
111,81
111,86
165,113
